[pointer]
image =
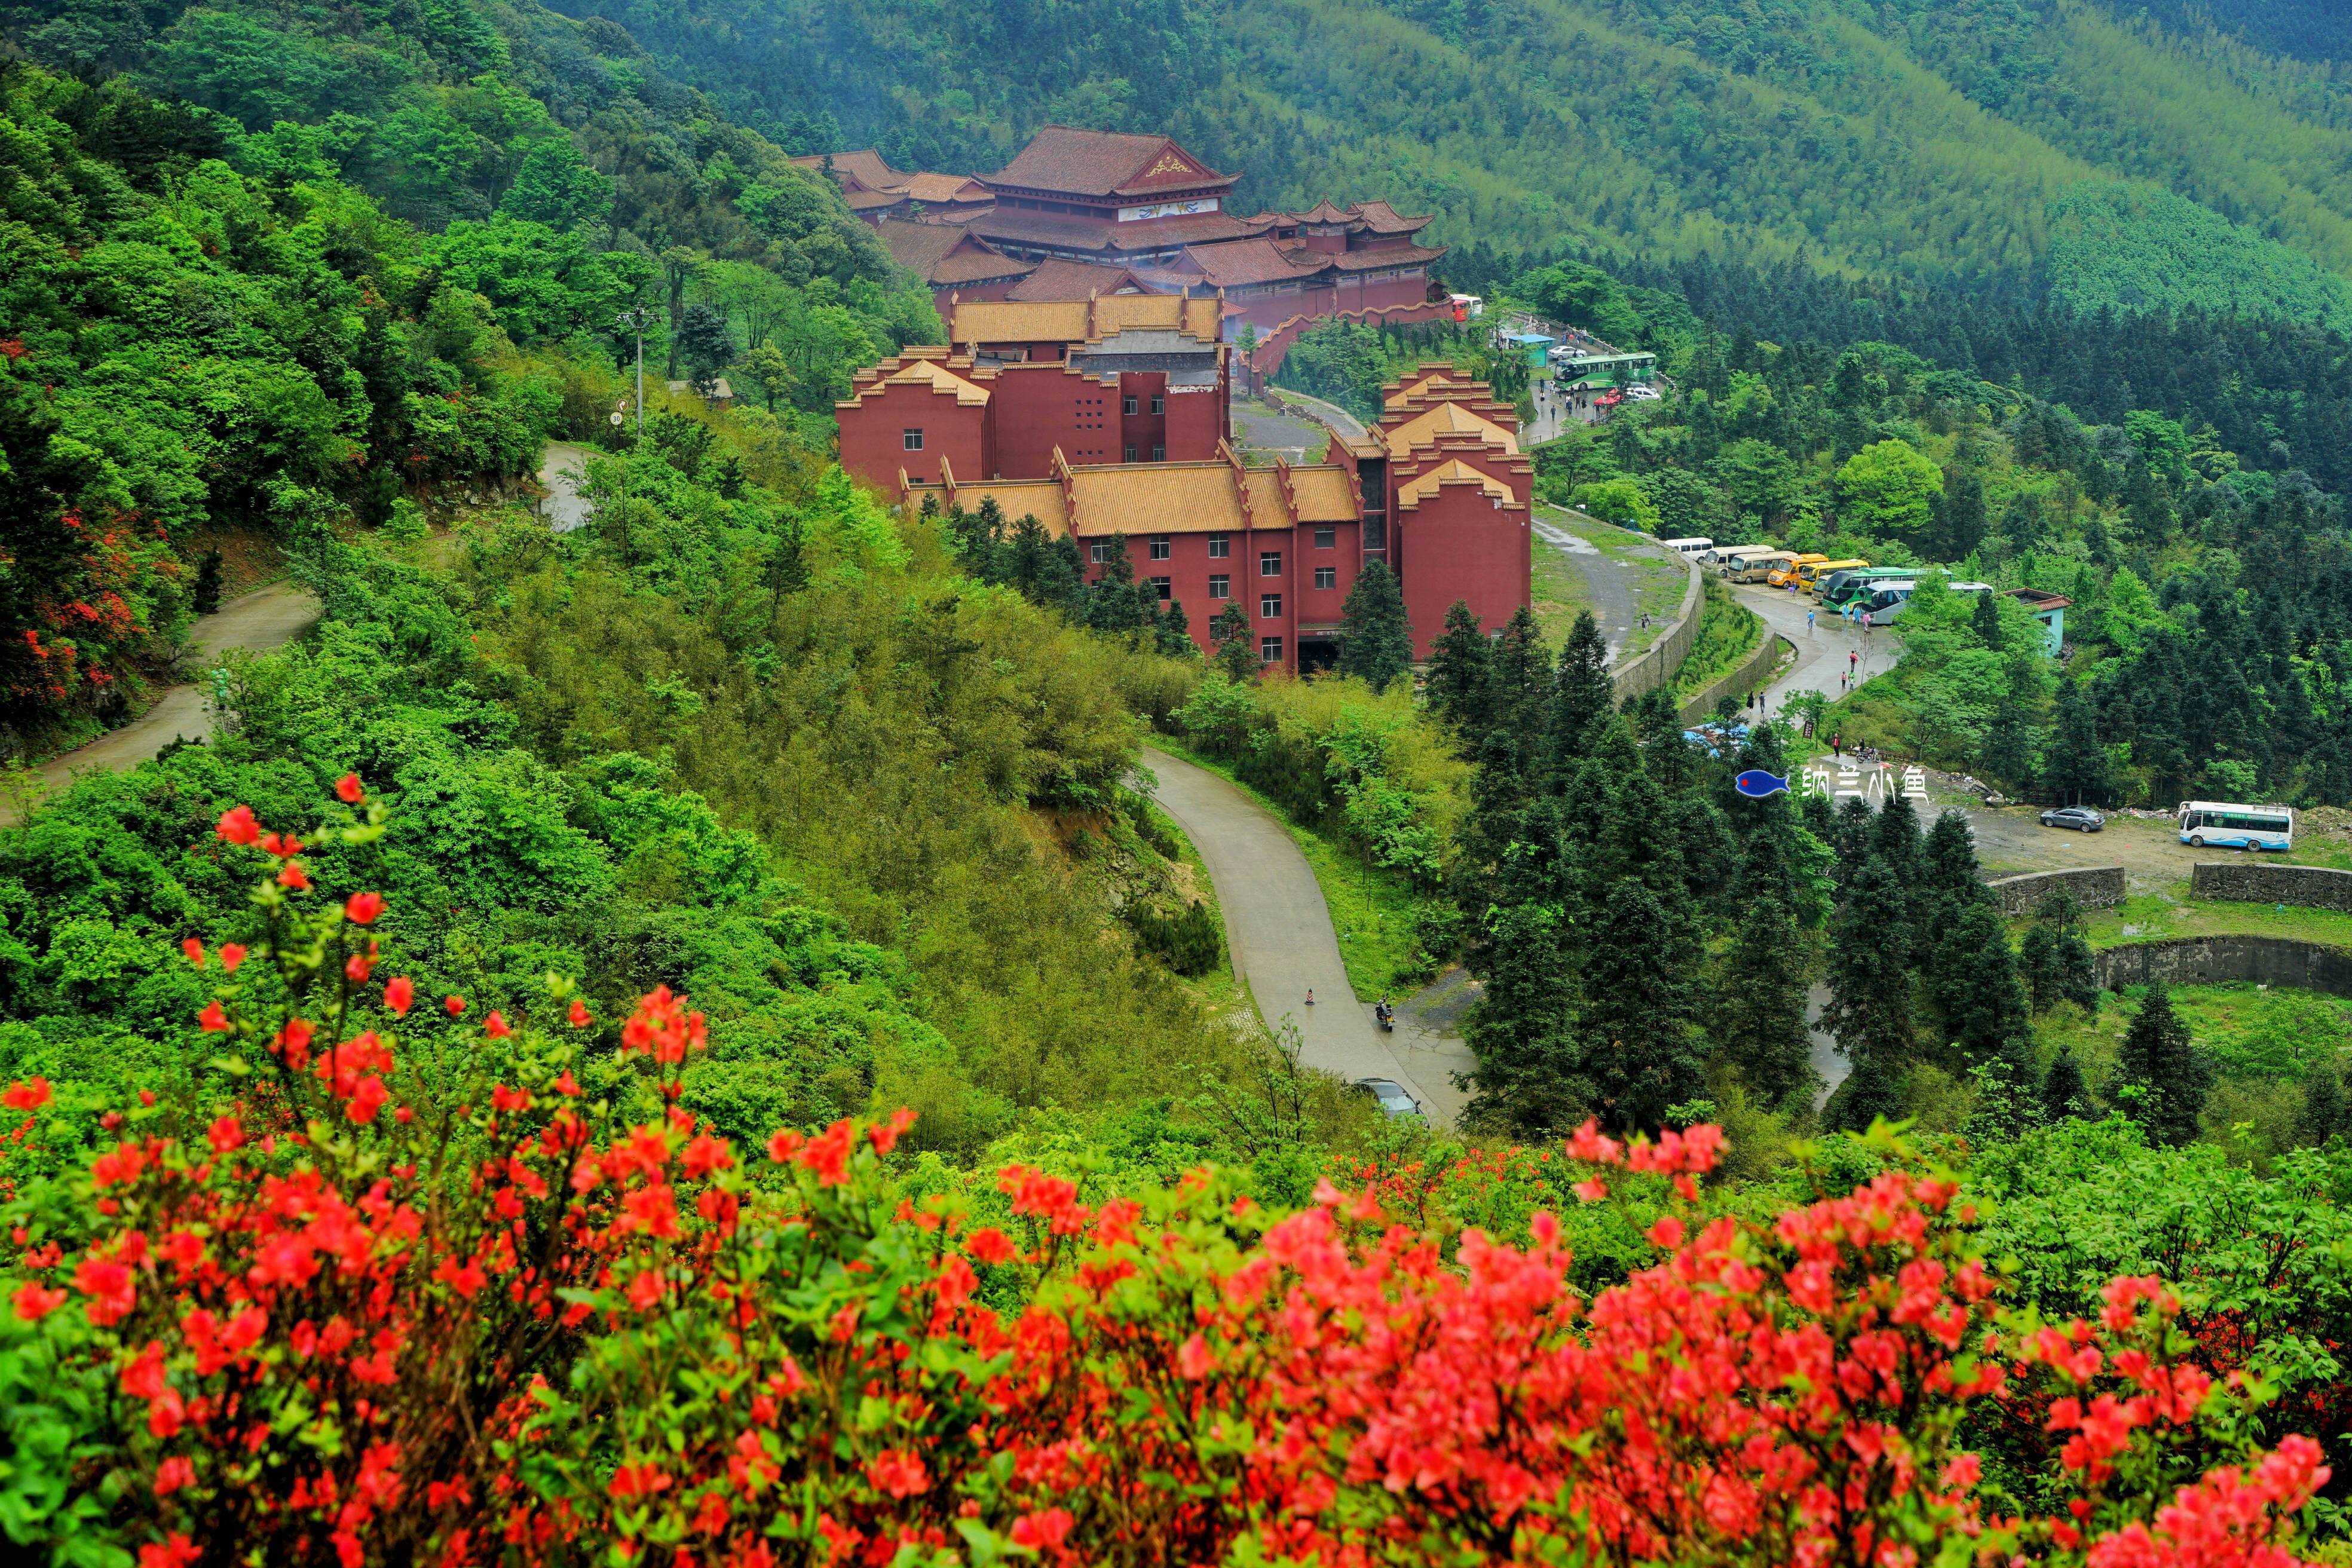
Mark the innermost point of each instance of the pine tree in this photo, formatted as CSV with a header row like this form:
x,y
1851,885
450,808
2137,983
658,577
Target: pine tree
x,y
1950,871
1971,982
1871,1092
1639,1051
1870,1008
2165,1076
1520,692
1236,653
2076,770
2063,1092
1985,621
1172,633
1375,637
2008,753
2324,1114
1850,839
1582,692
1759,1018
1461,670
1526,1081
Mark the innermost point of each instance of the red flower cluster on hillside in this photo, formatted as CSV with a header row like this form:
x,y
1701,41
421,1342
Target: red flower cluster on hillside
x,y
351,1320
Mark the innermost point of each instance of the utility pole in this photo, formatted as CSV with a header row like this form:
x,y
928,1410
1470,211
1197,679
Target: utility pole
x,y
633,320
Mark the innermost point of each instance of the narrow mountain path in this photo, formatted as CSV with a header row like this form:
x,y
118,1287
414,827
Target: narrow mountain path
x,y
1284,947
560,470
266,618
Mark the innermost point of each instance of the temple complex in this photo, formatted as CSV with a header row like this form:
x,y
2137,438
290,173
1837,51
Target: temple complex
x,y
1137,212
1049,417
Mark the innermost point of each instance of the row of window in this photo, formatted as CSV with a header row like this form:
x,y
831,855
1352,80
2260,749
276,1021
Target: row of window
x,y
1269,605
1158,404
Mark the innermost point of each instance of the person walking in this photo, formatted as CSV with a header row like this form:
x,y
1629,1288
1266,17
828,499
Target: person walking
x,y
1310,995
1836,749
1808,623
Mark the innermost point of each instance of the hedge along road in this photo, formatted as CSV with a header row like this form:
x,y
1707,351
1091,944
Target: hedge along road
x,y
266,618
1279,930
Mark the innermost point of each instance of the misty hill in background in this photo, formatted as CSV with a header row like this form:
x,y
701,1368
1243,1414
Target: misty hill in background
x,y
1936,139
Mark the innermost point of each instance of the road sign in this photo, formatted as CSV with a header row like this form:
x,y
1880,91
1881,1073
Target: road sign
x,y
616,420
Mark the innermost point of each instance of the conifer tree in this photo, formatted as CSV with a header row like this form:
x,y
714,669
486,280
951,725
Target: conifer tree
x,y
1375,637
1520,693
1985,621
1639,1047
2076,770
1582,689
2164,1076
1237,654
1461,670
1871,1092
1112,603
1172,633
2063,1092
1850,839
1759,1017
2324,1114
1971,982
1527,1083
2055,961
1871,1008
1951,861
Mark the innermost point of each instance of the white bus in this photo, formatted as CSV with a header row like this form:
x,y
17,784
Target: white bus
x,y
2204,822
1688,547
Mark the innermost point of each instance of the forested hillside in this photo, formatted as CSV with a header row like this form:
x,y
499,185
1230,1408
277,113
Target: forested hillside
x,y
1916,138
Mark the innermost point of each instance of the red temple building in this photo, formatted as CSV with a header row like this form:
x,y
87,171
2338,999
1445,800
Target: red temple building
x,y
1143,205
1119,378
1438,489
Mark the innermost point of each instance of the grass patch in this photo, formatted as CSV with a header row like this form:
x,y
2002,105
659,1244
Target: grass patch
x,y
1656,581
1375,917
1218,989
1558,593
1728,632
2172,913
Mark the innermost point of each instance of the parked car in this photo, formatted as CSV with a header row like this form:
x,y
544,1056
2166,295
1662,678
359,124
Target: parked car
x,y
1392,1098
2081,818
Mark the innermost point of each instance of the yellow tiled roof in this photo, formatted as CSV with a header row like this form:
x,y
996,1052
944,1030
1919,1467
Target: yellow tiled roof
x,y
1079,321
1159,497
1457,472
1040,499
939,379
1446,418
1326,494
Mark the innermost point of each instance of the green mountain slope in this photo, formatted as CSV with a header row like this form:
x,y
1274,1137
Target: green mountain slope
x,y
2130,246
1917,137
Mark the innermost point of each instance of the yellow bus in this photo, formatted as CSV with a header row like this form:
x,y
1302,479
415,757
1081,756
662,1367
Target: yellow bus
x,y
1791,570
1812,575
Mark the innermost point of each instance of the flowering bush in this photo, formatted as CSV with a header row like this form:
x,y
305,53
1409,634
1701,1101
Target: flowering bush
x,y
362,1308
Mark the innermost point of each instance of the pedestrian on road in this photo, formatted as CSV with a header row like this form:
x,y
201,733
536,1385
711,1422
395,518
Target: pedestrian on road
x,y
1751,700
1808,623
1310,995
1852,659
1835,739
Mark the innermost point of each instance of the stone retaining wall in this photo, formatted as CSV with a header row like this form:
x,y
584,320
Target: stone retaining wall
x,y
2094,886
1751,674
1654,666
2257,879
2210,960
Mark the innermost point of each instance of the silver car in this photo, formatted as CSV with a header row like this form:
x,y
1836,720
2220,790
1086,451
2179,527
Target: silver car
x,y
2081,818
1391,1095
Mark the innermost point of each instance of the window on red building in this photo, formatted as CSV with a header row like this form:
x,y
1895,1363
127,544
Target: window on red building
x,y
1221,586
1159,454
1269,563
1098,552
1325,538
1269,651
1158,404
1166,589
1130,451
1327,576
1126,405
1159,547
1220,546
912,440
1269,606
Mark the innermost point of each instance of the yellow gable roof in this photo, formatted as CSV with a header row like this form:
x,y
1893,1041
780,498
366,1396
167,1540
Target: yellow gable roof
x,y
939,379
1446,418
1455,472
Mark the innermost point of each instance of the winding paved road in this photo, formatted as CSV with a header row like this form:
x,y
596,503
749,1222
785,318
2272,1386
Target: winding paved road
x,y
1279,930
266,618
1822,651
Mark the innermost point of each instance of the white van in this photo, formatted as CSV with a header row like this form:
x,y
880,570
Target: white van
x,y
1688,547
1721,555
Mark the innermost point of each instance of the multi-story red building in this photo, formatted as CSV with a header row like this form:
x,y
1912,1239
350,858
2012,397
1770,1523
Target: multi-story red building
x,y
1121,378
1438,490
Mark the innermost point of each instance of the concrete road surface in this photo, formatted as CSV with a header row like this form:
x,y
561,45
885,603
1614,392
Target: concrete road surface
x,y
559,472
265,618
1283,946
1822,652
